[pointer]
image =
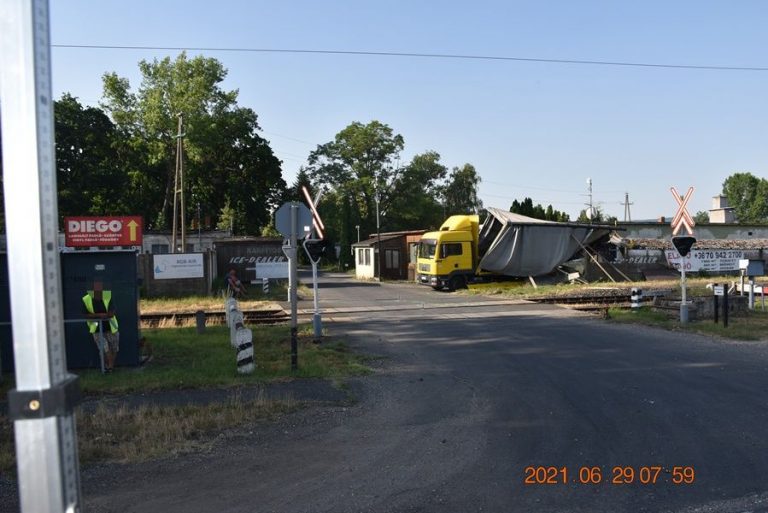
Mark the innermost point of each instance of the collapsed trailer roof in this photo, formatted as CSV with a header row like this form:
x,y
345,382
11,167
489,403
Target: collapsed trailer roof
x,y
516,245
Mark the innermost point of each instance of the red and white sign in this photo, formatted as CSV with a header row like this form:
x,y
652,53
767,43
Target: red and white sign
x,y
682,217
316,221
102,231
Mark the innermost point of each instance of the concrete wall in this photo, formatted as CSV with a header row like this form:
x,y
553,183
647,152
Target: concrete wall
x,y
701,231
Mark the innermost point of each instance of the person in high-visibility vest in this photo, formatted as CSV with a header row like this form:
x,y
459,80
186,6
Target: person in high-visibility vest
x,y
98,304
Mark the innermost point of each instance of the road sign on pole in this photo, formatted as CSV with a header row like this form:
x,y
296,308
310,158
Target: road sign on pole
x,y
42,404
316,221
284,224
293,219
682,219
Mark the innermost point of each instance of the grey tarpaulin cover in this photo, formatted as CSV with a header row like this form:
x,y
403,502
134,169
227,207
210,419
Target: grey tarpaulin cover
x,y
517,245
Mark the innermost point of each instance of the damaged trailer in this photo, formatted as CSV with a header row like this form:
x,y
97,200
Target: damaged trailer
x,y
506,244
516,245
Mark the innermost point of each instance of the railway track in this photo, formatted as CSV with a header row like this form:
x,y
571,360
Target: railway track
x,y
599,301
218,318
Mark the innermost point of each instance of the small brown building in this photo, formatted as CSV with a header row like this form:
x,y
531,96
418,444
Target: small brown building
x,y
397,257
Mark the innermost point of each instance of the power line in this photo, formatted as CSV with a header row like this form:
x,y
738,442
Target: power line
x,y
289,138
415,55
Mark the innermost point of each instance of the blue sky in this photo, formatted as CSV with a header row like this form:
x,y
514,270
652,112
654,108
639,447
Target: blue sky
x,y
531,129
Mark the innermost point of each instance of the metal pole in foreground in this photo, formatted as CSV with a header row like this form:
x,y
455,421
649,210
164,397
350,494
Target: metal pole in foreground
x,y
42,405
293,272
317,320
684,300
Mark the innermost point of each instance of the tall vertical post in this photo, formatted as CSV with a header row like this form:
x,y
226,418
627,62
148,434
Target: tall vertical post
x,y
378,234
684,298
294,280
44,425
179,212
716,302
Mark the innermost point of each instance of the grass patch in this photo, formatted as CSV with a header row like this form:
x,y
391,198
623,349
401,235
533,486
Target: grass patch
x,y
129,435
184,359
749,326
148,432
190,304
522,288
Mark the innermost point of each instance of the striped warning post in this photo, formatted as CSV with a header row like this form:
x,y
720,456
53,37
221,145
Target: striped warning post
x,y
244,339
636,298
265,285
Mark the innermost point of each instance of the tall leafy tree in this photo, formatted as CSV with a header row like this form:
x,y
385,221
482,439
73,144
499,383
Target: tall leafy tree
x,y
89,177
417,200
226,161
527,208
358,164
748,195
461,191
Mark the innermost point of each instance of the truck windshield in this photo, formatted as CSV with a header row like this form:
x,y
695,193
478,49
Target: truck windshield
x,y
427,248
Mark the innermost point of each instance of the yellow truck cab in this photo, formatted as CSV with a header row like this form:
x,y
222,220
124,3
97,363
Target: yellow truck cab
x,y
448,257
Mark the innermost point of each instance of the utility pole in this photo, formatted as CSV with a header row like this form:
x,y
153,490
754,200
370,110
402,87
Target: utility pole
x,y
179,213
199,232
627,214
378,230
590,208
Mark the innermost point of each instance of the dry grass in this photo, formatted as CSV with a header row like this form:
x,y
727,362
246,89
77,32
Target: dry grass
x,y
747,326
523,288
194,303
128,435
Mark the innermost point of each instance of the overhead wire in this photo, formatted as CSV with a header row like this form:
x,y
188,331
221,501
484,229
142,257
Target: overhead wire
x,y
423,55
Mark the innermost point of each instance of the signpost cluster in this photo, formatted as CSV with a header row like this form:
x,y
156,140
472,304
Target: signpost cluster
x,y
295,221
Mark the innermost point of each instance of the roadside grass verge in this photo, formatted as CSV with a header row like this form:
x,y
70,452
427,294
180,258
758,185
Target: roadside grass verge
x,y
129,435
521,288
749,326
182,359
255,301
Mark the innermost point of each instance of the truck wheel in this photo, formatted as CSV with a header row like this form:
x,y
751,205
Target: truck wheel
x,y
457,282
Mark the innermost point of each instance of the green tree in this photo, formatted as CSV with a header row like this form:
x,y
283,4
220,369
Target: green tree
x,y
360,162
702,216
461,191
599,217
527,208
748,195
226,162
89,178
418,194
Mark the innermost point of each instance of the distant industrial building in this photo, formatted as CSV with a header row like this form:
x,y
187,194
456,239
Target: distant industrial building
x,y
721,213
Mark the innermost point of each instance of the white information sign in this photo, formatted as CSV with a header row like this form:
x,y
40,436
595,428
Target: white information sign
x,y
719,290
178,265
271,270
709,260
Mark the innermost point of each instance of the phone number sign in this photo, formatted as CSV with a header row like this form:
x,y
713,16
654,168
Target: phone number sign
x,y
710,260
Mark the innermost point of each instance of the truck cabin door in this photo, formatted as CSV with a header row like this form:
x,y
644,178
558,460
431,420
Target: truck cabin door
x,y
454,256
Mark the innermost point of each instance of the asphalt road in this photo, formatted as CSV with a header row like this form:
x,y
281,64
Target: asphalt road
x,y
467,395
